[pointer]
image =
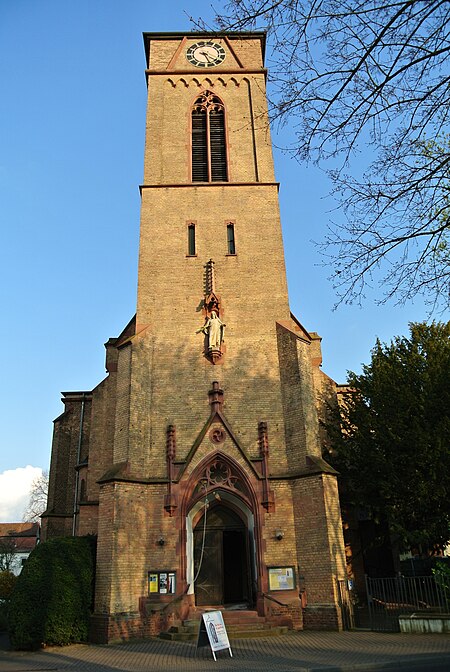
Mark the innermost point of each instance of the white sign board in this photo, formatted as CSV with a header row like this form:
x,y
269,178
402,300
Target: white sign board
x,y
213,631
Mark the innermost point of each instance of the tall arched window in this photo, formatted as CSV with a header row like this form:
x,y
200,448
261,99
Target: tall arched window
x,y
209,153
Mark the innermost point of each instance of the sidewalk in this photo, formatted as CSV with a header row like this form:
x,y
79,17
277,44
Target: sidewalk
x,y
294,652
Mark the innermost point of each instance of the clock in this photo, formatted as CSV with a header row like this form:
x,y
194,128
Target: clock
x,y
205,54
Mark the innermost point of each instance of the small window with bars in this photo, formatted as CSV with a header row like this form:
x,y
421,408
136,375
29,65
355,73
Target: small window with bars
x,y
209,151
231,242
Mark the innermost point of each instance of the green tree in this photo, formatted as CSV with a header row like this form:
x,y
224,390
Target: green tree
x,y
363,84
392,446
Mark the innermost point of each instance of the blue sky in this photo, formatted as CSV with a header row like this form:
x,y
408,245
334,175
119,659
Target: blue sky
x,y
72,121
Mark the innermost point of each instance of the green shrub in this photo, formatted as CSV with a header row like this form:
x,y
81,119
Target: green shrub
x,y
442,577
3,616
52,599
7,582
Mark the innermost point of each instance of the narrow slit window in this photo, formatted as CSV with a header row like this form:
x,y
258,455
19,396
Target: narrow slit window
x,y
191,240
209,150
230,239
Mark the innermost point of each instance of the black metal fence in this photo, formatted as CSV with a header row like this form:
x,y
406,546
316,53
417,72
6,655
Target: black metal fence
x,y
389,598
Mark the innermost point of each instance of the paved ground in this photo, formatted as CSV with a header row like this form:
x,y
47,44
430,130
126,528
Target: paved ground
x,y
294,652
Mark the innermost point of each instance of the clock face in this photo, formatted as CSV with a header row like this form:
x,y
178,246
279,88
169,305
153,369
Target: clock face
x,y
205,54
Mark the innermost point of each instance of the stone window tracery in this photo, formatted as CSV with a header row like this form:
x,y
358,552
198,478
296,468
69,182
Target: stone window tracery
x,y
219,474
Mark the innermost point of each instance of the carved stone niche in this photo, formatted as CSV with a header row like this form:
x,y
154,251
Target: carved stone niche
x,y
212,302
214,330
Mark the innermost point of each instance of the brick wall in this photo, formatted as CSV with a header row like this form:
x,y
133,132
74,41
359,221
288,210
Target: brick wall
x,y
158,374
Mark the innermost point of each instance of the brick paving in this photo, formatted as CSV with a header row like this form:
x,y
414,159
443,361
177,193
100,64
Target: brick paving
x,y
294,652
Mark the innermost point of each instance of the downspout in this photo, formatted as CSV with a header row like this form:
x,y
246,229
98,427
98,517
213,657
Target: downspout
x,y
77,473
252,118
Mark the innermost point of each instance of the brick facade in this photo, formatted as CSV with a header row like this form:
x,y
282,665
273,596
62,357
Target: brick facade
x,y
170,435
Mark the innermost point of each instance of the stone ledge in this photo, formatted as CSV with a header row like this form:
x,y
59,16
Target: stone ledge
x,y
424,623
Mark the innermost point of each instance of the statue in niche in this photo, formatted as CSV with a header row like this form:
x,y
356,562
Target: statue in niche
x,y
214,328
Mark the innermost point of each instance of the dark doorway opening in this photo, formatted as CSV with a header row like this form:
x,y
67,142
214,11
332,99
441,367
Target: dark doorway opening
x,y
224,577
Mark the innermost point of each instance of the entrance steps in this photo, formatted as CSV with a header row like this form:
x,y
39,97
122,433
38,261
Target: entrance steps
x,y
240,624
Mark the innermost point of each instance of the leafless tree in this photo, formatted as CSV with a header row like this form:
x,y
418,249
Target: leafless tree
x,y
8,557
37,502
366,85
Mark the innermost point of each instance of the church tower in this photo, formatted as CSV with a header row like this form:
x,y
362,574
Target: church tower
x,y
197,461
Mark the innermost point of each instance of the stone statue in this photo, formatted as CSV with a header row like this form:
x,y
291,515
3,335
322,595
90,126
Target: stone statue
x,y
214,328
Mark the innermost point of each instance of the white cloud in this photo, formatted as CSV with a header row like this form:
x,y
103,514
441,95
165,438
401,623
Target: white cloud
x,y
15,487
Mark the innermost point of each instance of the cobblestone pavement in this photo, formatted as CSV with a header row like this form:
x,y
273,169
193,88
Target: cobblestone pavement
x,y
293,652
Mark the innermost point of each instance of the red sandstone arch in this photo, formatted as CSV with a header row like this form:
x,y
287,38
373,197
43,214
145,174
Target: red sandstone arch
x,y
247,492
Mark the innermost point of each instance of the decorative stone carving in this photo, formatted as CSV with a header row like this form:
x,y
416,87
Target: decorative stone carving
x,y
214,328
268,500
217,435
216,474
170,499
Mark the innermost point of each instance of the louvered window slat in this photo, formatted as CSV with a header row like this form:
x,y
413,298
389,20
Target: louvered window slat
x,y
199,147
218,149
209,155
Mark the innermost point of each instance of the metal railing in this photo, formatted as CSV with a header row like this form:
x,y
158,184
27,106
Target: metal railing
x,y
389,598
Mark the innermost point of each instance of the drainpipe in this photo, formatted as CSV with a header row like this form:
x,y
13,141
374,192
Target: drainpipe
x,y
77,473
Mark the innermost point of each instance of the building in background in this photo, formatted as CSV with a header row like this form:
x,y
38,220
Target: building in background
x,y
197,461
17,540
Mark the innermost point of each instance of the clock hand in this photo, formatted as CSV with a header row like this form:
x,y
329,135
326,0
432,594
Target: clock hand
x,y
206,55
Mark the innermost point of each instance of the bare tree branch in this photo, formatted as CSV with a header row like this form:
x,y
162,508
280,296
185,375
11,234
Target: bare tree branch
x,y
37,502
369,80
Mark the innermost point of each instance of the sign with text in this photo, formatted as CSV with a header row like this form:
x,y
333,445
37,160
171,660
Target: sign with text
x,y
162,583
281,578
213,632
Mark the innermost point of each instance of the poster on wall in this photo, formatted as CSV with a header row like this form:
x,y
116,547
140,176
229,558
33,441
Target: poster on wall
x,y
152,582
161,583
171,583
281,578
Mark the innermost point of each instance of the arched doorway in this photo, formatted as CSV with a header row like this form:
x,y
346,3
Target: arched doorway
x,y
222,551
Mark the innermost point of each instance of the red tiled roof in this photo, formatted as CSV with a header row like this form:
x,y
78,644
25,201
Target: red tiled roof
x,y
19,529
24,535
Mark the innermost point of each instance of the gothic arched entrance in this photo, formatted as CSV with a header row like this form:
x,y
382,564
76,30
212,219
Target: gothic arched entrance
x,y
222,557
222,539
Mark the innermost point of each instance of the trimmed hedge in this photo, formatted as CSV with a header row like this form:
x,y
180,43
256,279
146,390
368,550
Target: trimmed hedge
x,y
53,596
7,582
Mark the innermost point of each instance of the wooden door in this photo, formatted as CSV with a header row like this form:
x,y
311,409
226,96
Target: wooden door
x,y
209,584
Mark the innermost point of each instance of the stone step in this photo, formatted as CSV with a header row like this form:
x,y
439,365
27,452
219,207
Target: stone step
x,y
234,621
232,616
269,631
239,625
240,633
